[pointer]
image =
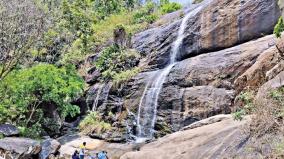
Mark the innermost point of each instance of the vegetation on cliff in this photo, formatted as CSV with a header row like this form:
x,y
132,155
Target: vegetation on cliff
x,y
44,42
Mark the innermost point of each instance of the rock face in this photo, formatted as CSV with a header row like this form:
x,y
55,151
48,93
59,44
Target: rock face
x,y
222,139
20,148
217,24
200,87
8,130
255,76
271,85
219,57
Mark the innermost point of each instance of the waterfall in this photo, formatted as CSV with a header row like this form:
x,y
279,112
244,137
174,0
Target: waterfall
x,y
147,110
97,97
101,96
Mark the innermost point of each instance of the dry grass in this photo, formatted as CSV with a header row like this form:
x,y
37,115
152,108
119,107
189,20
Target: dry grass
x,y
268,114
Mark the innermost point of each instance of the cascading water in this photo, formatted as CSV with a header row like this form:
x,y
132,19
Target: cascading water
x,y
102,94
96,100
148,104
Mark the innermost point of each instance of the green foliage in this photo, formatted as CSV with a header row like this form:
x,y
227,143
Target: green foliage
x,y
124,76
79,27
103,30
278,97
279,28
33,131
26,92
108,7
145,14
93,123
238,115
170,7
105,61
247,99
114,60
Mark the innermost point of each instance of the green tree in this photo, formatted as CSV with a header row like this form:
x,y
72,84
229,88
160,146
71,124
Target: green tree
x,y
25,93
107,7
279,28
170,7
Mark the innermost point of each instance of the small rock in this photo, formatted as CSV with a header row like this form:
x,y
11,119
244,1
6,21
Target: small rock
x,y
9,130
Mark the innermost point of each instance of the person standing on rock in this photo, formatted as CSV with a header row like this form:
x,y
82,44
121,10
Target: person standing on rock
x,y
82,150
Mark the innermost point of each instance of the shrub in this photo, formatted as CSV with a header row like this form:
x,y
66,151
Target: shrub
x,y
279,28
105,61
103,30
114,60
170,7
93,123
268,114
34,132
247,99
26,92
151,18
124,76
145,14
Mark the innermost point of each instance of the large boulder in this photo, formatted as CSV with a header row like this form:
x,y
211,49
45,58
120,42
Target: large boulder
x,y
20,148
214,25
271,85
9,130
222,137
256,75
73,142
50,148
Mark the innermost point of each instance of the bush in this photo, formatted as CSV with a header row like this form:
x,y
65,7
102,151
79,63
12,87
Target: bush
x,y
145,14
34,132
103,30
279,28
170,7
269,114
124,76
27,92
114,60
107,56
93,123
151,18
248,106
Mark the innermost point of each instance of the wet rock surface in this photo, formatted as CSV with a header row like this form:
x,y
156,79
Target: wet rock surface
x,y
219,57
216,25
202,86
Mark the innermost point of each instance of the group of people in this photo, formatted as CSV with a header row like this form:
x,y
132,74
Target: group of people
x,y
83,155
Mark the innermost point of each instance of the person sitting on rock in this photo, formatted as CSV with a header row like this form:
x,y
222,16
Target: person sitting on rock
x,y
102,155
82,150
75,155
